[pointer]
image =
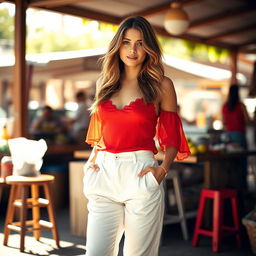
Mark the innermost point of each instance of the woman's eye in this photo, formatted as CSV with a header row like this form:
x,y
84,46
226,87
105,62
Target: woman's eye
x,y
139,43
125,42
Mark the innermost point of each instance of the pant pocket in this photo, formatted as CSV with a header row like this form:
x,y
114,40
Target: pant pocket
x,y
153,178
148,182
153,163
89,180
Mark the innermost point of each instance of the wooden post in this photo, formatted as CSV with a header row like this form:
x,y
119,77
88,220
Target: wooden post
x,y
252,87
20,99
233,67
42,92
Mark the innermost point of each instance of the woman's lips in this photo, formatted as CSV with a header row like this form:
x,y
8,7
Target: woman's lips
x,y
132,57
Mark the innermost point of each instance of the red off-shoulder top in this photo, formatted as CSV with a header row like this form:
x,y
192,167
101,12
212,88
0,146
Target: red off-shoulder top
x,y
234,120
134,128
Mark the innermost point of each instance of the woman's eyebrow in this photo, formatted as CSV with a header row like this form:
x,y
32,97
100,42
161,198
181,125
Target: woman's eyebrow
x,y
140,40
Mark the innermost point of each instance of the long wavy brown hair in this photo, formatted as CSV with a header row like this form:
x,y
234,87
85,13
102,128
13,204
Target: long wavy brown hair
x,y
151,74
233,97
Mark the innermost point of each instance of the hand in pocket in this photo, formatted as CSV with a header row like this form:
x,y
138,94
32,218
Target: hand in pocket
x,y
94,166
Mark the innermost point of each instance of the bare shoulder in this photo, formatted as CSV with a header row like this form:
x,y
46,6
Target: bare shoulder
x,y
168,99
167,84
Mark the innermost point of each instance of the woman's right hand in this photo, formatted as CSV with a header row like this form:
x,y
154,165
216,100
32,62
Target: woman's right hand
x,y
94,166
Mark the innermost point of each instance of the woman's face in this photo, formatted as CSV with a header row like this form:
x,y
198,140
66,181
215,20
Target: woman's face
x,y
131,50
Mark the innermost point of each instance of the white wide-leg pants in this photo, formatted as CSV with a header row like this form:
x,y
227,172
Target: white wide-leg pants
x,y
121,202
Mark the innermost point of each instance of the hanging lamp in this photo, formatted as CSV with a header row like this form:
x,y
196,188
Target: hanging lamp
x,y
176,20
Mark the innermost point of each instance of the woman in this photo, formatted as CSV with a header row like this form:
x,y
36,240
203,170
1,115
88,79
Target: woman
x,y
123,181
235,119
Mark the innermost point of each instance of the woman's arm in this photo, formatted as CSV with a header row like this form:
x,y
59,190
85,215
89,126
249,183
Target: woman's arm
x,y
168,99
167,102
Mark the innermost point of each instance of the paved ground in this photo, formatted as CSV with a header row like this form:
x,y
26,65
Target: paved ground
x,y
172,244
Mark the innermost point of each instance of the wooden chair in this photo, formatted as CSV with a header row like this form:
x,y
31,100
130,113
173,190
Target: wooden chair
x,y
35,202
169,218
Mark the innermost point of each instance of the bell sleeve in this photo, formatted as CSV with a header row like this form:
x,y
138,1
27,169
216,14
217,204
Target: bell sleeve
x,y
169,132
94,133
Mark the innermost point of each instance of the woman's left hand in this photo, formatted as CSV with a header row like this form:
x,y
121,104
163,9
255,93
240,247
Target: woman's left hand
x,y
158,172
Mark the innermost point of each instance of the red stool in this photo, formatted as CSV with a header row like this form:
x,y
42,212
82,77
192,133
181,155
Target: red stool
x,y
219,230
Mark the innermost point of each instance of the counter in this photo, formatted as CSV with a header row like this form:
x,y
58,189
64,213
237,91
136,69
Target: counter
x,y
77,201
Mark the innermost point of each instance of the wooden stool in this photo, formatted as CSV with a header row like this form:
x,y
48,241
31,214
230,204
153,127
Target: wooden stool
x,y
24,183
219,230
168,218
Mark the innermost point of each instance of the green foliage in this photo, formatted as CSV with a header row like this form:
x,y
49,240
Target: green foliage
x,y
4,146
195,51
105,27
98,36
6,25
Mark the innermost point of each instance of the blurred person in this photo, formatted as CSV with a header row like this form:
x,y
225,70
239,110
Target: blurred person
x,y
123,181
47,125
81,120
235,118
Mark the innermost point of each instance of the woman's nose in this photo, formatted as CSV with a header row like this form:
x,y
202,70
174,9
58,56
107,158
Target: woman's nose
x,y
133,48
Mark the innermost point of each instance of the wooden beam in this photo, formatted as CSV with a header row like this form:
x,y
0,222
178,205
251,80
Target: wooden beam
x,y
196,39
252,87
233,67
220,16
86,13
30,71
232,32
20,94
3,93
248,47
248,51
52,3
8,1
42,91
242,58
247,43
159,8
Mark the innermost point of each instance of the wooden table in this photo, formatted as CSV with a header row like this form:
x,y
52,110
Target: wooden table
x,y
65,149
223,169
